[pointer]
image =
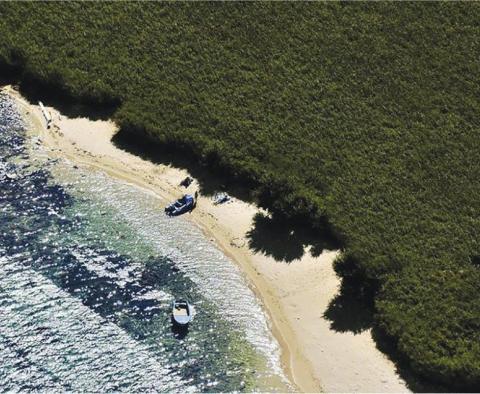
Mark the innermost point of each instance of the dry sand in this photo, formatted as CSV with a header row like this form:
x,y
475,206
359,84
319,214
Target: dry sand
x,y
295,295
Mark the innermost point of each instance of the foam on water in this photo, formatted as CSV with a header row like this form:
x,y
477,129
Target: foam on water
x,y
88,269
219,279
71,347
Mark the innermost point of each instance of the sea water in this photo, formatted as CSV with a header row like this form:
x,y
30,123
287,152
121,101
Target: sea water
x,y
89,267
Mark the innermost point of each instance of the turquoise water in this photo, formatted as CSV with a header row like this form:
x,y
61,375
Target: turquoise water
x,y
89,267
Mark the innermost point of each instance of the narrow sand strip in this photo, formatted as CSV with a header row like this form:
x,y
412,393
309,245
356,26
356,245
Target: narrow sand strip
x,y
295,295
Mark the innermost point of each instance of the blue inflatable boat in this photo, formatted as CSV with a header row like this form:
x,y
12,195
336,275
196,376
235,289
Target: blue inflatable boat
x,y
182,205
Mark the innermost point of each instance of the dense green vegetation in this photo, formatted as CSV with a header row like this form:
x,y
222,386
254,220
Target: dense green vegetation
x,y
361,116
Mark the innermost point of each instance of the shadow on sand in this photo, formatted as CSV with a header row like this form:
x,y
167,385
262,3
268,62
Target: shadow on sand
x,y
209,184
351,310
53,94
287,241
414,382
284,240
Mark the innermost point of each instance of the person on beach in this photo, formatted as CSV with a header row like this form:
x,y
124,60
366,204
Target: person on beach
x,y
195,201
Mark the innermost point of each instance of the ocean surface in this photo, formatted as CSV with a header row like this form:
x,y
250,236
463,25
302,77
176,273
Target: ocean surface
x,y
89,267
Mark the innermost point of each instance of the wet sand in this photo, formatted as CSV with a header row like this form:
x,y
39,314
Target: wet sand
x,y
295,295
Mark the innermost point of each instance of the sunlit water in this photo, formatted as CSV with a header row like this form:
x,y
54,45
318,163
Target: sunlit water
x,y
89,267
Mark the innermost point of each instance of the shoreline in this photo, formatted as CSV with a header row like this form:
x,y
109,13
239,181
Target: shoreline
x,y
314,356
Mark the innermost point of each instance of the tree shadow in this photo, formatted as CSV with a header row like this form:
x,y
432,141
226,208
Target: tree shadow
x,y
53,93
9,74
211,178
287,240
283,239
350,311
353,310
272,238
55,96
416,383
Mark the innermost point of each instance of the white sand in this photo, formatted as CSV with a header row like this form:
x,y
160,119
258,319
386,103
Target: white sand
x,y
295,295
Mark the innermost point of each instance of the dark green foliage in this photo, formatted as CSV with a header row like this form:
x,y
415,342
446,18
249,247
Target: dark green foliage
x,y
362,116
434,312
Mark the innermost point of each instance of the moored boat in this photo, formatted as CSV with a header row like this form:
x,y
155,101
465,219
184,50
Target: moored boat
x,y
181,312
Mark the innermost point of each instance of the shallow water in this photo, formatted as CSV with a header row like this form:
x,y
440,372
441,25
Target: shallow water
x,y
89,267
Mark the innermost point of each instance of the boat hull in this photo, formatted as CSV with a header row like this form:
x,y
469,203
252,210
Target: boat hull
x,y
182,205
181,313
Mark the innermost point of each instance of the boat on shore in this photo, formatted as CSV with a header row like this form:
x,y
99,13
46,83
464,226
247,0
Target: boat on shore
x,y
180,206
182,312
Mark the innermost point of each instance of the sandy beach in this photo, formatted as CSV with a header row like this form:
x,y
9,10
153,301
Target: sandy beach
x,y
295,295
